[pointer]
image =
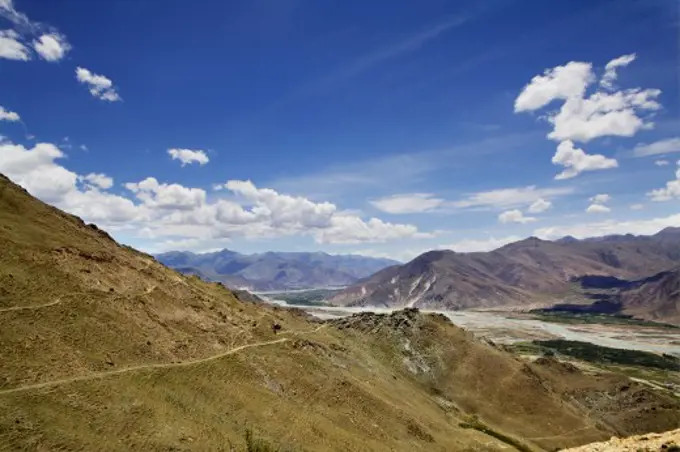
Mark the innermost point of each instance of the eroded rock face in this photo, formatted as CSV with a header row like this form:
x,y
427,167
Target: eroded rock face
x,y
667,441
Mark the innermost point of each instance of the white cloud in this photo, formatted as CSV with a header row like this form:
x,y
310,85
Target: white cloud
x,y
561,82
598,202
6,115
603,114
352,229
600,199
35,169
167,211
51,46
610,74
166,196
637,206
99,86
598,208
189,156
583,118
661,162
408,203
12,48
670,191
8,11
608,227
98,179
474,245
576,161
514,216
666,146
540,205
84,148
510,197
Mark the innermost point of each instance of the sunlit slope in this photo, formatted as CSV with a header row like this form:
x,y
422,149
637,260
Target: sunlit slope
x,y
103,348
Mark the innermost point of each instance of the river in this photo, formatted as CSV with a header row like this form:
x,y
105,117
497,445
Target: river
x,y
506,327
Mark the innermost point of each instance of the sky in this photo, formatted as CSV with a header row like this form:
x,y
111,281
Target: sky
x,y
345,126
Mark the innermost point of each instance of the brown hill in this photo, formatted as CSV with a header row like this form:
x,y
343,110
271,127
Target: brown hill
x,y
519,273
103,348
656,298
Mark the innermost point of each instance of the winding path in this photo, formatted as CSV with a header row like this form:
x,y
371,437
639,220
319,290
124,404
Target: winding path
x,y
94,376
38,306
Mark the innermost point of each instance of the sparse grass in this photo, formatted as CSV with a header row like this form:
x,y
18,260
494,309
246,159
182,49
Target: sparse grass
x,y
325,390
473,422
254,444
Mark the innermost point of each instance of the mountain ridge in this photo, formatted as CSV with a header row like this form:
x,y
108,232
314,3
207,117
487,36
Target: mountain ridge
x,y
104,348
273,270
520,273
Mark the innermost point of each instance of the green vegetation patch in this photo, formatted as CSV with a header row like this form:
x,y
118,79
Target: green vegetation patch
x,y
604,355
312,297
600,319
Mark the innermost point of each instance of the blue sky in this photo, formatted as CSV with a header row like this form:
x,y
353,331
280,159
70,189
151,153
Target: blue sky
x,y
344,126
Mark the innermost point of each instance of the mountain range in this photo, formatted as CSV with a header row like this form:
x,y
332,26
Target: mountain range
x,y
275,270
528,272
104,348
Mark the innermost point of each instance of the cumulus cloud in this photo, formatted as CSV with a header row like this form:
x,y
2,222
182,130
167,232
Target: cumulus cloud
x,y
99,86
600,199
12,48
610,74
608,227
514,216
604,114
561,82
166,196
661,162
666,146
540,205
97,179
156,210
598,204
510,197
474,245
189,156
576,161
51,46
48,43
582,117
670,191
6,115
408,203
598,208
637,206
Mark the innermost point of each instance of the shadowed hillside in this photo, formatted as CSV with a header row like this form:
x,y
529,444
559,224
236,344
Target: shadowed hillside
x,y
103,348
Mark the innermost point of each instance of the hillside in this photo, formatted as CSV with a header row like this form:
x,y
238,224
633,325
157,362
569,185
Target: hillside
x,y
520,273
104,348
275,271
655,298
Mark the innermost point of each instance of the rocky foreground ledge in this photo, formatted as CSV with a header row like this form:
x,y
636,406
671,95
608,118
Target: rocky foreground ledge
x,y
652,442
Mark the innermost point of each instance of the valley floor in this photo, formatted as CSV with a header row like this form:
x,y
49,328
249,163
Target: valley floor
x,y
511,327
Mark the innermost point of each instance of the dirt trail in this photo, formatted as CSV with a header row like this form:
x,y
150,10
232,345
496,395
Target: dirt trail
x,y
37,306
94,376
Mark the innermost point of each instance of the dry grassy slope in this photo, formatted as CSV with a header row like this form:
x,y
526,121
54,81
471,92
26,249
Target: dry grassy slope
x,y
546,403
102,348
